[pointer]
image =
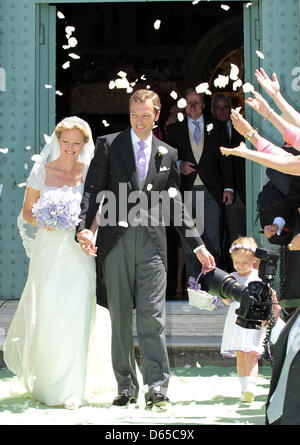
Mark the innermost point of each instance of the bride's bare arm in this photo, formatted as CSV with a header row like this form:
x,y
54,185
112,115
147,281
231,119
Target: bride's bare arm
x,y
32,196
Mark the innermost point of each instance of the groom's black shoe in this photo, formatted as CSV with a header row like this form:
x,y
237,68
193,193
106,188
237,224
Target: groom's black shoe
x,y
157,399
123,400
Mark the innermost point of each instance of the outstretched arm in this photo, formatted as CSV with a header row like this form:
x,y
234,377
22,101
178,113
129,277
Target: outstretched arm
x,y
272,87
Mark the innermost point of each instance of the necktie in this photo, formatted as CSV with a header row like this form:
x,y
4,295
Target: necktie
x,y
275,408
196,133
229,131
141,160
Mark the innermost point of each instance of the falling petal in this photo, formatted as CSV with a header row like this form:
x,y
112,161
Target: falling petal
x,y
4,150
209,127
248,88
66,65
173,94
26,166
260,54
66,46
148,87
238,109
105,123
225,7
69,30
248,4
195,2
60,15
181,103
123,223
72,41
238,83
122,74
143,77
122,83
149,187
22,184
28,147
47,85
157,24
234,72
129,90
221,81
172,192
36,158
111,85
59,93
180,117
202,87
74,56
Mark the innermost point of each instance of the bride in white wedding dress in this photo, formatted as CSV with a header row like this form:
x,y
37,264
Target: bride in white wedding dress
x,y
58,343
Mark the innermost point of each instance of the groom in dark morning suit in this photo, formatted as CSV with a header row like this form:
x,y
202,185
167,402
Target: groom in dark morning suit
x,y
132,256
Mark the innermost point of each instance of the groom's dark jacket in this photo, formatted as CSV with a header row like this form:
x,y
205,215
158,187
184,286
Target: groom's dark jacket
x,y
113,164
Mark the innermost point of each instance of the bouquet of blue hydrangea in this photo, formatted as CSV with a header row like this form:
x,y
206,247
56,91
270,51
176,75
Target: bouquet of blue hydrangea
x,y
58,209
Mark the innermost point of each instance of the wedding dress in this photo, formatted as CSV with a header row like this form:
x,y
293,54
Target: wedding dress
x,y
59,340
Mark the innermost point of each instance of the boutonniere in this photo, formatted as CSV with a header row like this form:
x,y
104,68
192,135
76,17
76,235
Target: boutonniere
x,y
209,127
162,150
149,187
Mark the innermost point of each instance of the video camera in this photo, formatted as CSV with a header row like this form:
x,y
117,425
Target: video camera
x,y
255,299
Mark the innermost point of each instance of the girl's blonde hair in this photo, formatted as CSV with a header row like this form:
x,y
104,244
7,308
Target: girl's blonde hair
x,y
244,244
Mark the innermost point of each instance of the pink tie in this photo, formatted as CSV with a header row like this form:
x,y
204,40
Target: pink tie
x,y
141,160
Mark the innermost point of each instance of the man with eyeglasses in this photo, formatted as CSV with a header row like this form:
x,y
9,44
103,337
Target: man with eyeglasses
x,y
235,214
203,172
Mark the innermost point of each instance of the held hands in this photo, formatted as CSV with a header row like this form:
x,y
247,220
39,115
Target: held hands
x,y
206,259
85,239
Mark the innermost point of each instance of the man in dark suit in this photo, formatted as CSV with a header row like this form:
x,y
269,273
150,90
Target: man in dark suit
x,y
283,403
132,256
198,139
235,213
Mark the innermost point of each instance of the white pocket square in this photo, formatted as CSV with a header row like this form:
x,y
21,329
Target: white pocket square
x,y
162,169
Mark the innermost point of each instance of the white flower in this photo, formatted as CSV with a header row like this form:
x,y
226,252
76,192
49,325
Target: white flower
x,y
234,72
123,223
181,103
157,24
209,127
173,94
260,54
180,117
248,88
149,187
221,81
162,150
172,191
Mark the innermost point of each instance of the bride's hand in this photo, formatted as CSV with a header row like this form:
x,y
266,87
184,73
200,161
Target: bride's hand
x,y
240,151
259,104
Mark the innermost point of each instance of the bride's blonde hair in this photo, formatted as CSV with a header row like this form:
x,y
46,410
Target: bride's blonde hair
x,y
70,126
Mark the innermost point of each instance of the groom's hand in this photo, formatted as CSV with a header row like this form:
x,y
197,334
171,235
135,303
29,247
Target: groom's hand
x,y
85,239
206,259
